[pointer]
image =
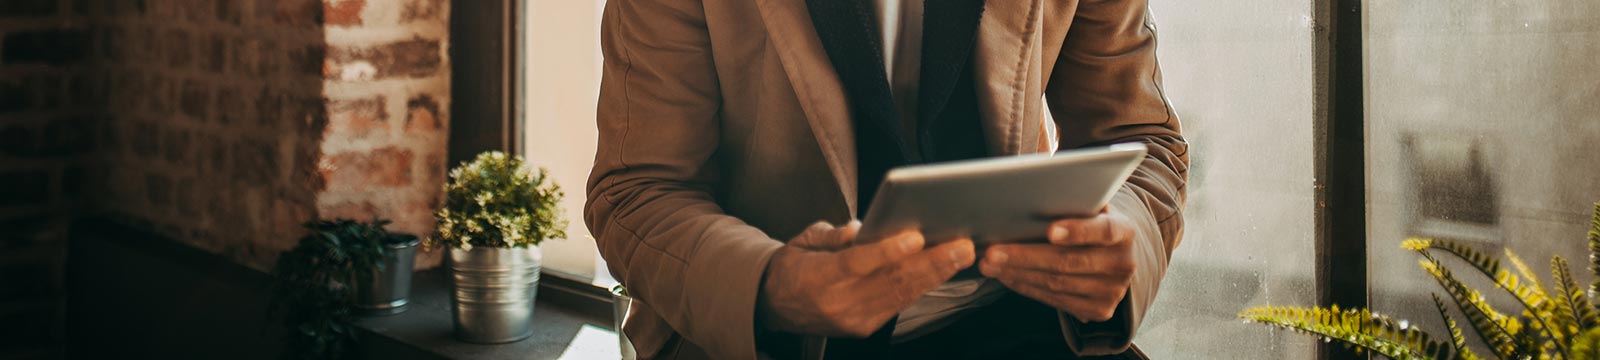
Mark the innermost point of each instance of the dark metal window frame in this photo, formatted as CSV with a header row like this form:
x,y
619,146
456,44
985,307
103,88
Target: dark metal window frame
x,y
487,111
1340,162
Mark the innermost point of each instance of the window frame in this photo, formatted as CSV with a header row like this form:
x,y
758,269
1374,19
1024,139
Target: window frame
x,y
487,113
1339,156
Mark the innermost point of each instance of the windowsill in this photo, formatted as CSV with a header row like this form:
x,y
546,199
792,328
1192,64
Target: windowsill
x,y
424,330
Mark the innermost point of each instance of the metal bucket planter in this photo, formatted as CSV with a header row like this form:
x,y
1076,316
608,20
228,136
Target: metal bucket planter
x,y
620,301
493,291
389,290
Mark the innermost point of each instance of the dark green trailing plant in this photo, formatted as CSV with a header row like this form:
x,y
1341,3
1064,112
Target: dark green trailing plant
x,y
497,201
314,290
1561,321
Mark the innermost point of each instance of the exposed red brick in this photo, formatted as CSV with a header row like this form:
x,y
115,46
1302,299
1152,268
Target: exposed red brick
x,y
343,12
417,10
359,118
418,57
388,166
422,114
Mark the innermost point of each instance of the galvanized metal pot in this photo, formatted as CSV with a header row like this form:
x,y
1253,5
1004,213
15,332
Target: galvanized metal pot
x,y
620,301
389,290
493,291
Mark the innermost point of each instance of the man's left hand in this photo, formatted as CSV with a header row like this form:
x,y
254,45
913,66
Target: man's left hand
x,y
1085,270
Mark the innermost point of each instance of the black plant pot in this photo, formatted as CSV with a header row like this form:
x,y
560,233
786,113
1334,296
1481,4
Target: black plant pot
x,y
389,290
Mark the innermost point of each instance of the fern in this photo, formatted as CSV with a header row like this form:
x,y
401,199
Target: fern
x,y
1587,345
1357,328
1494,328
1594,253
1562,321
1573,311
1458,342
1524,271
1531,297
1486,264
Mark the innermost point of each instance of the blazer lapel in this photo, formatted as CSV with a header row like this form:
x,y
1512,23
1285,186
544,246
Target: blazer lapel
x,y
851,41
952,27
822,97
1007,72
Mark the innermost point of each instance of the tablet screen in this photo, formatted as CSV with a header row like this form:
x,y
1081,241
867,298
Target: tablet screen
x,y
998,200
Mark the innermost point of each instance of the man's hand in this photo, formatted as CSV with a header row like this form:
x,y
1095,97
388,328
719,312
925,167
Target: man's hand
x,y
812,289
1085,270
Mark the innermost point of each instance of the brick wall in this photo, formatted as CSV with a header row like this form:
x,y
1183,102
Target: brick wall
x,y
214,114
220,123
388,91
232,121
45,114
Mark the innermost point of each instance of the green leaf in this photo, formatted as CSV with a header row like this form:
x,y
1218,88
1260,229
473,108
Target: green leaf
x,y
1532,298
1495,329
1586,346
1594,252
1524,271
1573,311
497,201
1458,341
1356,328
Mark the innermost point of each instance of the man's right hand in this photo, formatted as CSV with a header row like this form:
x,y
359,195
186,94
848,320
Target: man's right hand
x,y
820,285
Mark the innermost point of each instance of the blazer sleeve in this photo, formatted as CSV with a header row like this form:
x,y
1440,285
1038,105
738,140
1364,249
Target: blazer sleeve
x,y
1106,88
650,203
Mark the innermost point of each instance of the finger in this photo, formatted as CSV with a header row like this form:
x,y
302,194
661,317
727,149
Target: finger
x,y
814,236
924,271
862,260
1085,309
847,233
1057,259
1101,230
1091,286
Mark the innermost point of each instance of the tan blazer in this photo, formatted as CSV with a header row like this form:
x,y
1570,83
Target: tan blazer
x,y
724,131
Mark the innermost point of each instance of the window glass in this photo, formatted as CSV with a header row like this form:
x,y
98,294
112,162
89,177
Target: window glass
x,y
1483,119
562,86
1241,78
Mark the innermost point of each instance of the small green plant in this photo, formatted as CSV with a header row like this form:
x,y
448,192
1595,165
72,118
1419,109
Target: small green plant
x,y
497,201
1559,322
314,290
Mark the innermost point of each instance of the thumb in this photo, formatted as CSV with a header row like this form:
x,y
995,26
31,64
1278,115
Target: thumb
x,y
823,236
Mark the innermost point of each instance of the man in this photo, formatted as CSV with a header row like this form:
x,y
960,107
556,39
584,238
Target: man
x,y
739,138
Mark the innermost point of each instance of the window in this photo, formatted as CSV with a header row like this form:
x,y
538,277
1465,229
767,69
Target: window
x,y
1483,125
562,65
1240,75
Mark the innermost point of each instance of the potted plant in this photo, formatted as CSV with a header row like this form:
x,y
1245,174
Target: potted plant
x,y
495,214
389,289
318,281
1560,321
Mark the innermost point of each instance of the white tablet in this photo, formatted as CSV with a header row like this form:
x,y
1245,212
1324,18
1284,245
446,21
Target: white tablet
x,y
998,200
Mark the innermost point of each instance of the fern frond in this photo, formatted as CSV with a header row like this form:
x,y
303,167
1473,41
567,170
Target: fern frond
x,y
1524,271
1531,297
1573,309
1458,341
1356,328
1486,264
1594,253
1586,346
1496,330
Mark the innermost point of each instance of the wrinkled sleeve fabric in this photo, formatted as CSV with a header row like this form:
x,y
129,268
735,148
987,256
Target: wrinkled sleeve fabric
x,y
1106,88
650,203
